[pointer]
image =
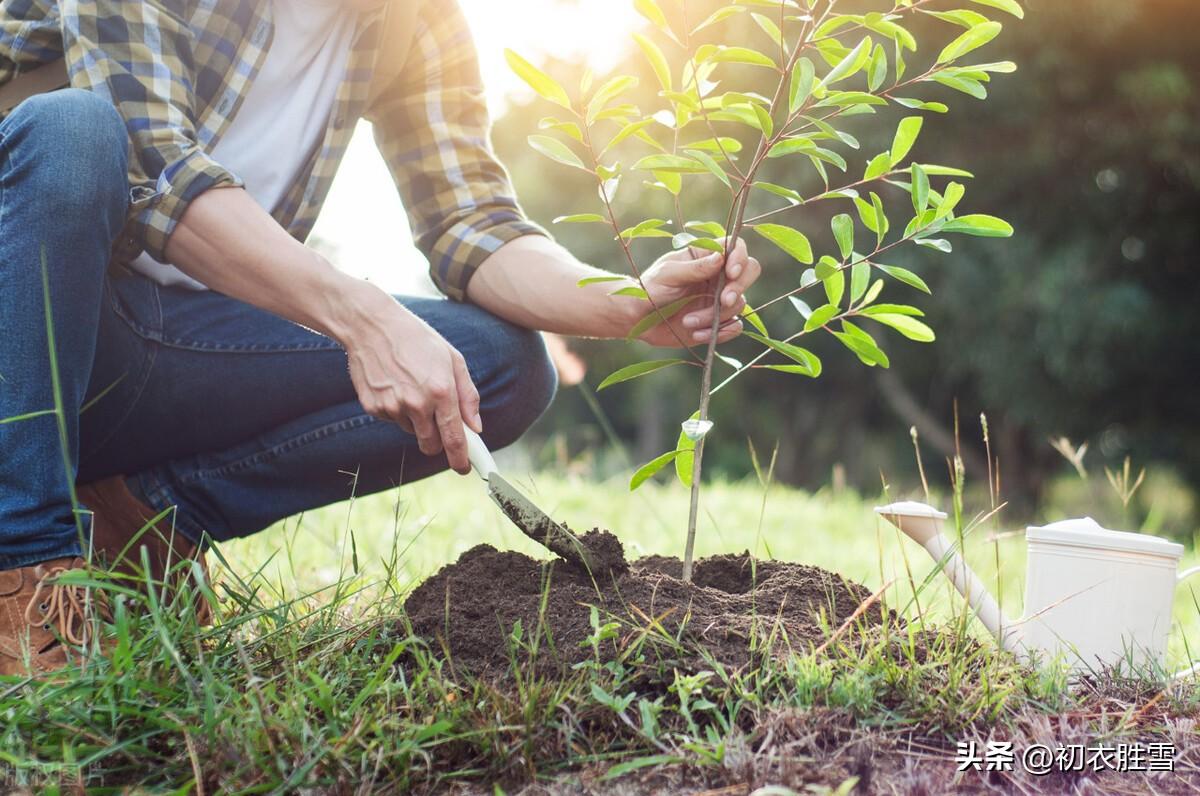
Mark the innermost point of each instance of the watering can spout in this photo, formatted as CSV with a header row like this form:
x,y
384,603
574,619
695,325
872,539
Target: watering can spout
x,y
923,524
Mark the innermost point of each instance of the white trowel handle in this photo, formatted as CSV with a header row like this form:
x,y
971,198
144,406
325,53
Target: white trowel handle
x,y
481,458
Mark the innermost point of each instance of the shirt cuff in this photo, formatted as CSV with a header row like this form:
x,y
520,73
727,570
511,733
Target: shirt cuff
x,y
460,250
154,218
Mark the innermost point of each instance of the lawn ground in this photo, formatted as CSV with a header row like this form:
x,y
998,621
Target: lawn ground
x,y
312,683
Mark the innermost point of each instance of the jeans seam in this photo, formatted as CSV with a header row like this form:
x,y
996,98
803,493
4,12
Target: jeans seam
x,y
162,499
147,368
4,166
159,336
14,562
277,450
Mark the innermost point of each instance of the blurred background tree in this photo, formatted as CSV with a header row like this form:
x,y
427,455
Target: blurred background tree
x,y
1082,325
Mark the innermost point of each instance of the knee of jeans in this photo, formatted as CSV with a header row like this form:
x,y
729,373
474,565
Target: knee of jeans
x,y
531,381
79,148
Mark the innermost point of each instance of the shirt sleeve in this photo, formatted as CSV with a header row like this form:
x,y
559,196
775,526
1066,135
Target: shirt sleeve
x,y
432,127
139,55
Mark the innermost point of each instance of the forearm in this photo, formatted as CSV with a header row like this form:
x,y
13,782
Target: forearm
x,y
228,242
534,282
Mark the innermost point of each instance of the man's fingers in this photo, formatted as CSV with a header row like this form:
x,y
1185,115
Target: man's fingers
x,y
702,318
692,271
454,441
468,395
737,286
426,431
725,333
735,264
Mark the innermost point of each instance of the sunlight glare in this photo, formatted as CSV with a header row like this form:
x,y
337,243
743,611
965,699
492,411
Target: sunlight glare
x,y
362,225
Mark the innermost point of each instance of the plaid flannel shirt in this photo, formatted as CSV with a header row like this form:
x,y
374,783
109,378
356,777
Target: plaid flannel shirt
x,y
178,70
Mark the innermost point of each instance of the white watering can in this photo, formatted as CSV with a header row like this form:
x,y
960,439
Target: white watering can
x,y
1091,595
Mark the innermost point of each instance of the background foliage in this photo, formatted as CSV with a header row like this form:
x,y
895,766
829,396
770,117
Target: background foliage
x,y
1083,324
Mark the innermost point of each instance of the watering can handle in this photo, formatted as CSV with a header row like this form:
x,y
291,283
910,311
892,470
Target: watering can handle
x,y
1188,672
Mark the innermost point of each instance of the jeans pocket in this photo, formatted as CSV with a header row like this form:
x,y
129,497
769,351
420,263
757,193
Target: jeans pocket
x,y
135,300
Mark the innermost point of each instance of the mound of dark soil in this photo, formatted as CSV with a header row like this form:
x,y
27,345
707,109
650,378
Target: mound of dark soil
x,y
734,605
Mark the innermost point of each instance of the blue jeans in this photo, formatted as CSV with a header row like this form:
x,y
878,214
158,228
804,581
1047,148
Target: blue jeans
x,y
231,415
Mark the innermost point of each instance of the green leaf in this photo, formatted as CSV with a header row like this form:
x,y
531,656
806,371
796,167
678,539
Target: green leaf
x,y
633,128
670,163
713,167
655,317
801,356
582,218
860,277
790,240
826,267
880,164
658,61
847,65
961,17
983,226
868,342
788,146
920,105
863,346
606,93
686,460
906,135
950,198
650,228
752,317
821,316
939,244
835,286
904,275
966,85
881,219
894,309
1011,6
556,150
934,170
906,325
711,228
802,84
920,188
637,369
770,28
595,280
570,128
843,233
787,193
650,10
972,39
538,80
651,467
872,292
877,68
717,16
742,55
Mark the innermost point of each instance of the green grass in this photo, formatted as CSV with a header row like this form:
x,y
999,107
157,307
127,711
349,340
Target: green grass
x,y
431,523
312,679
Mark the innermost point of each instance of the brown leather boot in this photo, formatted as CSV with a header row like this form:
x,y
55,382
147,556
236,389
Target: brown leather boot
x,y
44,621
121,528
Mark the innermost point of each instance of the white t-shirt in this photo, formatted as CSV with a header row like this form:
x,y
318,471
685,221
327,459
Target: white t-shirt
x,y
284,114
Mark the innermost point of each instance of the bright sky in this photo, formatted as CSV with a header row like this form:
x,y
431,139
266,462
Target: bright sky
x,y
363,218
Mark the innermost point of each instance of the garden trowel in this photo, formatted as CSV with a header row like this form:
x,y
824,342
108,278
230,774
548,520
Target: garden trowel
x,y
532,521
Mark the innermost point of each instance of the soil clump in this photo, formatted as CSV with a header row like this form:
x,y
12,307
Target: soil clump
x,y
735,608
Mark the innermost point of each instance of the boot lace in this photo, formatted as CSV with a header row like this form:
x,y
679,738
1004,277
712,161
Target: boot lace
x,y
66,607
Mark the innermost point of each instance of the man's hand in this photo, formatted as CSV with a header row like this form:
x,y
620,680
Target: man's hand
x,y
406,372
694,272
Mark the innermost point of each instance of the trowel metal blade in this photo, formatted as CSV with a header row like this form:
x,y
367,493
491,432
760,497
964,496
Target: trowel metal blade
x,y
535,523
